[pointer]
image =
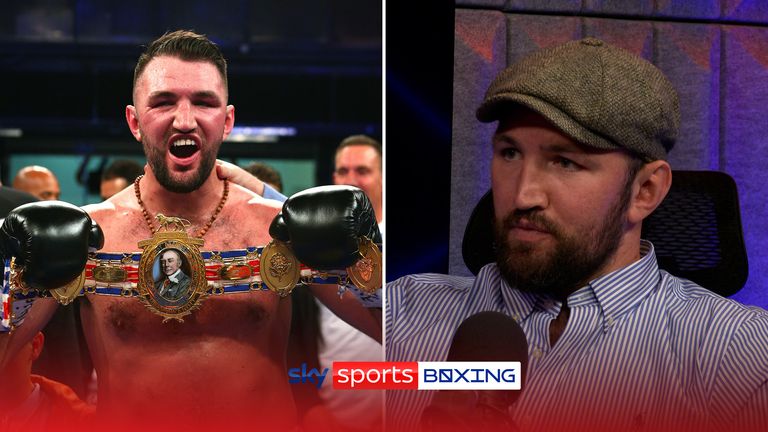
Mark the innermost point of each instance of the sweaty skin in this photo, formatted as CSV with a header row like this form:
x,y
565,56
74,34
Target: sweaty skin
x,y
225,365
225,362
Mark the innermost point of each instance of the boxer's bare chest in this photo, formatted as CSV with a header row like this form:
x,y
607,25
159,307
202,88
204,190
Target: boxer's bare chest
x,y
231,315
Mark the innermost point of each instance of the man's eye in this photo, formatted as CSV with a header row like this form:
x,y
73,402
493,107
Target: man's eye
x,y
566,163
509,153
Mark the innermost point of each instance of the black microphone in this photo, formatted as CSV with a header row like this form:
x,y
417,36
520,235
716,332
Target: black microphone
x,y
485,336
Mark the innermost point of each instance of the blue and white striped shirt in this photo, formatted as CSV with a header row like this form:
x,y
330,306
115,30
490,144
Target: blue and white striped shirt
x,y
642,350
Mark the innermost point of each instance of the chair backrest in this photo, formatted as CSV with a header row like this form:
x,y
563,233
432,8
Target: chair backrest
x,y
696,232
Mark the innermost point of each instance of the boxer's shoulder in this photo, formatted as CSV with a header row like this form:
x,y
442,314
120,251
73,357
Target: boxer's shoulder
x,y
121,206
121,220
244,221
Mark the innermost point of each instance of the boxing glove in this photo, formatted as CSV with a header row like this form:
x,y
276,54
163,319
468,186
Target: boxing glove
x,y
324,224
95,237
50,240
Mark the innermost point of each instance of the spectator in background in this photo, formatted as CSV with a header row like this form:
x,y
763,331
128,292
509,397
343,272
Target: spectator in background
x,y
34,403
120,174
318,337
38,181
267,174
358,163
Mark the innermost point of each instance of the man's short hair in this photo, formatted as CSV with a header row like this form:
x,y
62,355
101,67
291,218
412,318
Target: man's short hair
x,y
178,254
122,168
266,174
363,140
186,45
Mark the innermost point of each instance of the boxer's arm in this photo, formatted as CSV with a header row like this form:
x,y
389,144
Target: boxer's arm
x,y
349,308
271,193
35,320
324,226
237,175
49,243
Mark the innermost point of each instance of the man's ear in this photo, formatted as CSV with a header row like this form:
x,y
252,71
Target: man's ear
x,y
229,122
133,121
649,188
37,346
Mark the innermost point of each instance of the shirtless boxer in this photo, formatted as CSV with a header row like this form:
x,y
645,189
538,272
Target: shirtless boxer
x,y
225,364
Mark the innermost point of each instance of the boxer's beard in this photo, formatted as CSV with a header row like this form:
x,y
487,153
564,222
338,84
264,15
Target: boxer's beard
x,y
573,261
156,160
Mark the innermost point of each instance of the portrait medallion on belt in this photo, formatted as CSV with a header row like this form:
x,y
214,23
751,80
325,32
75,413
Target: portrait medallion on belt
x,y
172,279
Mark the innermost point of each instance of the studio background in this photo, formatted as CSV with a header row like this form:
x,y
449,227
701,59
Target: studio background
x,y
715,52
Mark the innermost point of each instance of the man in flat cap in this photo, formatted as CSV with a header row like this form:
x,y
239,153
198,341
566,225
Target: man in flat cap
x,y
614,343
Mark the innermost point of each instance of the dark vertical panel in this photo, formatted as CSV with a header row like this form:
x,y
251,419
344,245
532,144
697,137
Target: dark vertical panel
x,y
417,141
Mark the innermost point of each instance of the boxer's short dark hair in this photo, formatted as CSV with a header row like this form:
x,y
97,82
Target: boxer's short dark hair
x,y
186,45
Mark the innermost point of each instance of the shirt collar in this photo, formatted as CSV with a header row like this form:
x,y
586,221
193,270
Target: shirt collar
x,y
175,277
624,289
616,292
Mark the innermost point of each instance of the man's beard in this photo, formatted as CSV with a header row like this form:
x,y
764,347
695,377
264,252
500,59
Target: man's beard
x,y
156,159
575,259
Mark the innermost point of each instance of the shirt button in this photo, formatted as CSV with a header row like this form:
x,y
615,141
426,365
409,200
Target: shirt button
x,y
591,42
609,321
536,353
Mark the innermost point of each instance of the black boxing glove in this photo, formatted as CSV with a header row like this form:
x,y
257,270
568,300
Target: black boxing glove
x,y
95,237
50,240
324,225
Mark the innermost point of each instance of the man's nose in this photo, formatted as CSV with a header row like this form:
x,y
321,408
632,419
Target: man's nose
x,y
352,179
184,117
530,188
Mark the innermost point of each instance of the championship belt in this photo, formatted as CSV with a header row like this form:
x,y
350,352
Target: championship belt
x,y
142,275
279,267
366,273
14,302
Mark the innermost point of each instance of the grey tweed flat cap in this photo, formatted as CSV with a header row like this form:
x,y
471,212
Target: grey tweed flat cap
x,y
600,95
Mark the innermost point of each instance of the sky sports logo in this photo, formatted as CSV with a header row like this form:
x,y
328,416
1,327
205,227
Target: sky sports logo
x,y
413,376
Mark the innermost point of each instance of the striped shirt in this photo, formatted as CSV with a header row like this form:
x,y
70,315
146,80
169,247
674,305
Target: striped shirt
x,y
642,350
